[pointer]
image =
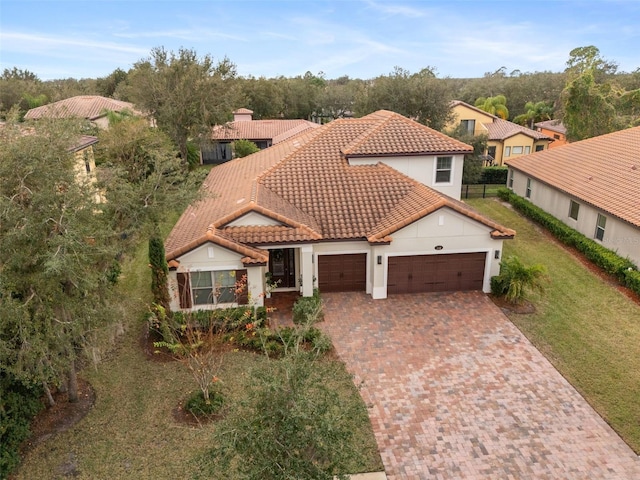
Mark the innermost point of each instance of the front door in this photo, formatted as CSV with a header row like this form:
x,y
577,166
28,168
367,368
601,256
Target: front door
x,y
282,265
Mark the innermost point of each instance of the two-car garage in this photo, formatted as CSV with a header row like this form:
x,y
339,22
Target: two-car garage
x,y
405,274
436,273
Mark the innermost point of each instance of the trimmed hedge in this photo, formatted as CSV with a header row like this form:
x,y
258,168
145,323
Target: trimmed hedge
x,y
622,268
494,175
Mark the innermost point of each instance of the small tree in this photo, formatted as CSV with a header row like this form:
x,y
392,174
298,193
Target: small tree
x,y
517,280
242,148
159,272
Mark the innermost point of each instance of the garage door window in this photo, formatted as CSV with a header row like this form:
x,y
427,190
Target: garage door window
x,y
443,169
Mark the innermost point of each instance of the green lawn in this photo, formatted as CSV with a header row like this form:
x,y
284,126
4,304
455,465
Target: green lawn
x,y
130,433
583,325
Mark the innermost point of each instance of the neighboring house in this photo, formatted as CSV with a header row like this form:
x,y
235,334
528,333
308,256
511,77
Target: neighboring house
x,y
555,129
368,204
505,139
92,107
592,185
82,150
264,133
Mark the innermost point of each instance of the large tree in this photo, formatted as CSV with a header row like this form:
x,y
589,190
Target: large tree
x,y
56,256
593,103
420,96
185,94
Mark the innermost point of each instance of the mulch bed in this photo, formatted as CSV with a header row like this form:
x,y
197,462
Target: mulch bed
x,y
62,416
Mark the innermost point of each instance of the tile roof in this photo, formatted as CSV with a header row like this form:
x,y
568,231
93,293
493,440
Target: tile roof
x,y
275,130
307,184
502,129
84,106
499,129
602,171
553,125
79,143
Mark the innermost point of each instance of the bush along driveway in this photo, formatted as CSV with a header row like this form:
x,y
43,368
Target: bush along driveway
x,y
456,391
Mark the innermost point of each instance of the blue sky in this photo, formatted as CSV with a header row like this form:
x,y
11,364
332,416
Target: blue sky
x,y
359,38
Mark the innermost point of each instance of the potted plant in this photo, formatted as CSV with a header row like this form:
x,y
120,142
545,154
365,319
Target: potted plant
x,y
270,284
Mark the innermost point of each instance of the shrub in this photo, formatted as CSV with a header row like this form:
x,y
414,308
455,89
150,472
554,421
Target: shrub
x,y
242,148
18,405
494,175
308,309
516,280
607,260
198,406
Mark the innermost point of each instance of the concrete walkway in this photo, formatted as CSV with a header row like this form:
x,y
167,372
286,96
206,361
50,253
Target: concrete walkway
x,y
456,391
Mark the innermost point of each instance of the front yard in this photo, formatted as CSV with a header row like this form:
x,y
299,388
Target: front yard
x,y
583,324
132,431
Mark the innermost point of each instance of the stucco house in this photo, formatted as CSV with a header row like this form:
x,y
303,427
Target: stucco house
x,y
368,204
555,129
592,185
91,107
505,139
264,133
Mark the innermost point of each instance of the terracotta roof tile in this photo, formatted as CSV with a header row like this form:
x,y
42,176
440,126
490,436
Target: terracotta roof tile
x,y
275,130
553,125
307,184
602,171
501,130
83,106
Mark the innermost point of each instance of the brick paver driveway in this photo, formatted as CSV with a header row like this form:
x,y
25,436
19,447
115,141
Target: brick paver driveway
x,y
456,391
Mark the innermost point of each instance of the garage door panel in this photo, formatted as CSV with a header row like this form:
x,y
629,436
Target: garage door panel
x,y
435,273
342,273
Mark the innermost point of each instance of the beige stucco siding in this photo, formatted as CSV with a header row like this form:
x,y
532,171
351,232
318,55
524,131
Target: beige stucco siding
x,y
619,236
422,169
212,257
460,112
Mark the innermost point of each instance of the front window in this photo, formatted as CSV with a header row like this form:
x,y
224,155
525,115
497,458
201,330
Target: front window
x,y
600,225
517,150
539,148
527,150
211,288
510,178
443,169
574,209
528,192
507,151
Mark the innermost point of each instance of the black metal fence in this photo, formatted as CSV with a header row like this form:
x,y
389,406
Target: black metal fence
x,y
482,190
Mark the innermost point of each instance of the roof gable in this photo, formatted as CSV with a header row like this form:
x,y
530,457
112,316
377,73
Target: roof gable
x,y
603,171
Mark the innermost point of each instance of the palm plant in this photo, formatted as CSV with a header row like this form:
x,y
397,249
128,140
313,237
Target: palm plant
x,y
535,112
494,105
517,280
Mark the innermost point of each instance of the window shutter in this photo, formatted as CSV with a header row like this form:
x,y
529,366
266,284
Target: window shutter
x,y
184,290
242,296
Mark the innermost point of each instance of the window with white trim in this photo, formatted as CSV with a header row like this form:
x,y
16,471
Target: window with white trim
x,y
510,178
574,210
517,150
527,150
527,193
211,288
601,223
444,166
507,151
468,126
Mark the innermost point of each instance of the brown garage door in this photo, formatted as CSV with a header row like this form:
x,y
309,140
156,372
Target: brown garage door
x,y
436,273
342,273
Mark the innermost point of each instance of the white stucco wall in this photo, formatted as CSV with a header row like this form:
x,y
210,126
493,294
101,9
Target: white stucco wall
x,y
253,218
619,236
422,169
